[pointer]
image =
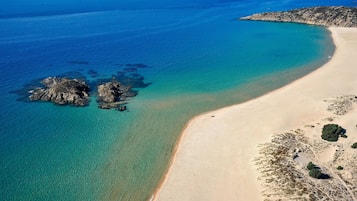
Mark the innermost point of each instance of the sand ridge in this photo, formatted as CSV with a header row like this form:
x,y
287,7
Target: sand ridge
x,y
215,156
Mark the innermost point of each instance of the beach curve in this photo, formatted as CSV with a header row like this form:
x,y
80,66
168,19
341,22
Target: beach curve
x,y
214,155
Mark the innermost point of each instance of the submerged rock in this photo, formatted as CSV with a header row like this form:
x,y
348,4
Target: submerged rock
x,y
78,62
339,16
134,80
93,73
62,91
137,65
130,69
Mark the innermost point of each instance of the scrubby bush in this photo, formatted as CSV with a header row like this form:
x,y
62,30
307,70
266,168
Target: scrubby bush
x,y
339,167
315,173
331,132
354,146
310,166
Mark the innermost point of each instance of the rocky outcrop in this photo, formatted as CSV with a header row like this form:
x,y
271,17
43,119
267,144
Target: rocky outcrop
x,y
338,16
112,95
62,91
73,88
65,91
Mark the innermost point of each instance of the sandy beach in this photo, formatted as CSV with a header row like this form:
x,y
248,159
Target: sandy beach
x,y
214,158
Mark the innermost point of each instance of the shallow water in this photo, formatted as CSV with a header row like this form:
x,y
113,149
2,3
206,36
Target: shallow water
x,y
199,59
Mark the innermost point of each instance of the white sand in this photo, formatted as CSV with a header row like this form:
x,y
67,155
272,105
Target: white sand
x,y
214,156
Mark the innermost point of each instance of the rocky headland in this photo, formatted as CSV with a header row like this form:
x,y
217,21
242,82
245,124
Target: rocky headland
x,y
62,91
336,16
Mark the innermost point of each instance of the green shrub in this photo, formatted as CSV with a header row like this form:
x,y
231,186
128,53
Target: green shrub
x,y
310,166
354,146
339,167
315,173
331,132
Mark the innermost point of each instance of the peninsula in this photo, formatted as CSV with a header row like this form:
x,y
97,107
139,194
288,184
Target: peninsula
x,y
337,16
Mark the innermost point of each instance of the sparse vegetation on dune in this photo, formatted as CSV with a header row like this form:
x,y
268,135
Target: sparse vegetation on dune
x,y
283,177
340,105
299,165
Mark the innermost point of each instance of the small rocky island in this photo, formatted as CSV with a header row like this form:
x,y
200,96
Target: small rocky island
x,y
112,94
67,91
73,88
62,91
338,16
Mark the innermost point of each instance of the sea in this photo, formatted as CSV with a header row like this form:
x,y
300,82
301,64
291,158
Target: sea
x,y
188,58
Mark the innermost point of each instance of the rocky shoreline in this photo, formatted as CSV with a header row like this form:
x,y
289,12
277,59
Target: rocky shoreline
x,y
336,16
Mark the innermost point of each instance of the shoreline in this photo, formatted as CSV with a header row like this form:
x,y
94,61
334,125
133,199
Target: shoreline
x,y
190,179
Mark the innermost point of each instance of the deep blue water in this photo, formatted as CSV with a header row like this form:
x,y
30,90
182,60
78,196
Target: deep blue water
x,y
199,57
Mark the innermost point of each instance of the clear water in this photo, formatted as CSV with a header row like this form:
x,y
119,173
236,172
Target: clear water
x,y
200,58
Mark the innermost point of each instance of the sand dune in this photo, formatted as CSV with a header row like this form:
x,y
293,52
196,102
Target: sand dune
x,y
214,156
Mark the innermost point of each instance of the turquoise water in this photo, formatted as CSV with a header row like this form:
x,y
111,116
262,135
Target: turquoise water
x,y
199,58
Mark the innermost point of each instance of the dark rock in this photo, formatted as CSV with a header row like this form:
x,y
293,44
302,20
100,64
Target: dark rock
x,y
112,94
130,69
134,80
73,75
23,93
122,108
136,76
79,62
137,65
93,73
62,91
339,16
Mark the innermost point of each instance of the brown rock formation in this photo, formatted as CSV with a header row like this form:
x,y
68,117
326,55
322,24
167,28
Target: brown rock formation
x,y
62,91
338,16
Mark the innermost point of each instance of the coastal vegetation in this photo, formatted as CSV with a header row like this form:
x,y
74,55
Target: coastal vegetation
x,y
315,173
354,145
310,166
331,132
